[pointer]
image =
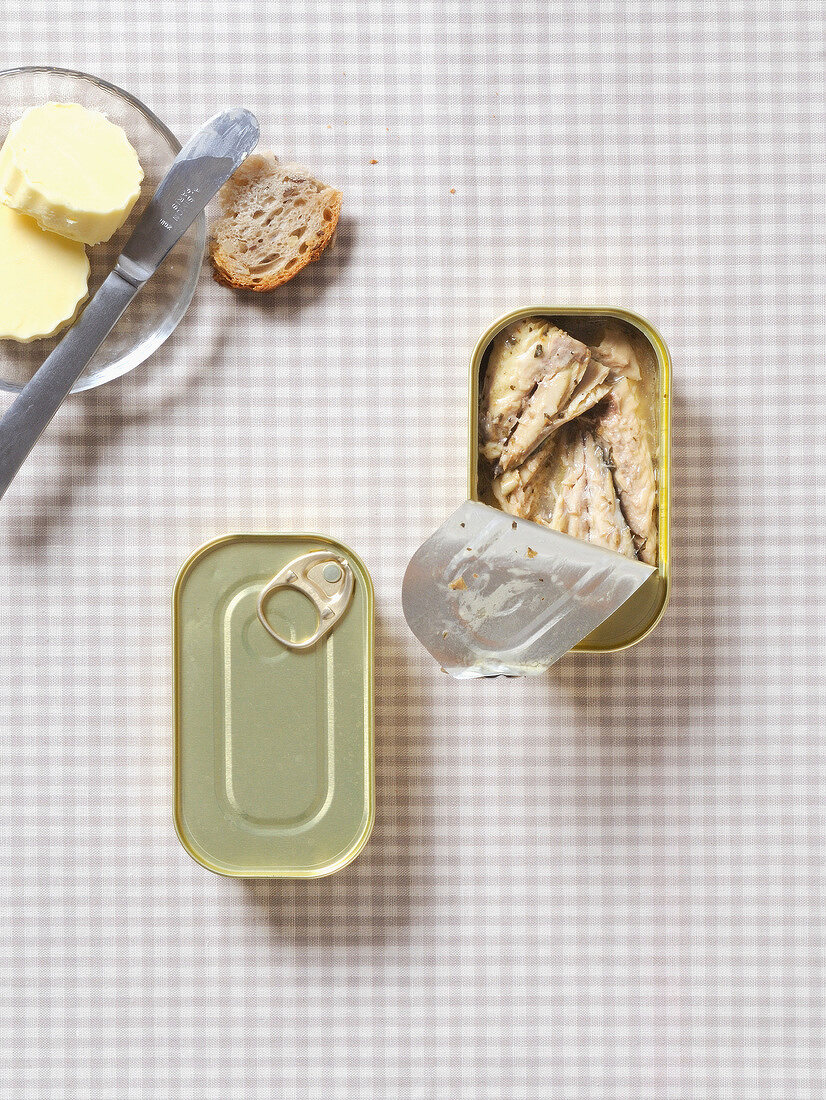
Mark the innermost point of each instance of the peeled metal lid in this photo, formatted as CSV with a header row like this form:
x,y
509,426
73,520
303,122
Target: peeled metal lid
x,y
273,658
489,595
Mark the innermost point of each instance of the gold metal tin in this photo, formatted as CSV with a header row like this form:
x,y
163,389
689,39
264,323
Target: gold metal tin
x,y
641,613
274,771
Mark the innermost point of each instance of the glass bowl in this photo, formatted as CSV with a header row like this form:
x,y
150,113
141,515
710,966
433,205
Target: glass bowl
x,y
152,317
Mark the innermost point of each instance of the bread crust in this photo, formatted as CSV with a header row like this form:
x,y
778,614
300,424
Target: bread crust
x,y
229,271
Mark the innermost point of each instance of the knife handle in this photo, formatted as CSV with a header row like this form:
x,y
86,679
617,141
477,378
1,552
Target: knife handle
x,y
41,397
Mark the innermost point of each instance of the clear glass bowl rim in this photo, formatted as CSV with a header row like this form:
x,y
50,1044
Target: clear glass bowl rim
x,y
142,352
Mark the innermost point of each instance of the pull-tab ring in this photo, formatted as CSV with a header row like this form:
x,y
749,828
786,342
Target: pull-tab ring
x,y
326,579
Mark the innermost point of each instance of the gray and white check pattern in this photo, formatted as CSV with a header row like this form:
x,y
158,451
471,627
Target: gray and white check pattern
x,y
606,883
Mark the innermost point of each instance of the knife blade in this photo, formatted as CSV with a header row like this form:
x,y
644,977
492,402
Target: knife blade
x,y
203,165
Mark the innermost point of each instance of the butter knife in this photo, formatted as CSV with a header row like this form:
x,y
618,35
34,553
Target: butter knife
x,y
203,165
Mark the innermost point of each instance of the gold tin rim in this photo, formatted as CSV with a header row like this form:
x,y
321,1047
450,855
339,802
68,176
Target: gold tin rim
x,y
664,363
366,832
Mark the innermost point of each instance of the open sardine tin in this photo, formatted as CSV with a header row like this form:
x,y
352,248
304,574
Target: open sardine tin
x,y
491,595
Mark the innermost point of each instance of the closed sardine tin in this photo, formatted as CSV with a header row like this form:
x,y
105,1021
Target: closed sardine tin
x,y
274,774
641,612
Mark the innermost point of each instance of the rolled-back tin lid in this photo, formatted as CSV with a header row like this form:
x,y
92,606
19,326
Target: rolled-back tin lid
x,y
273,682
489,595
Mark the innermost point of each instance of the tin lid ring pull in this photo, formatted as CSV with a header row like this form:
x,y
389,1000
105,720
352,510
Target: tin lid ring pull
x,y
326,579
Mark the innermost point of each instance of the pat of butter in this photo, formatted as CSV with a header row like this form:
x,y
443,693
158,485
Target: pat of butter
x,y
71,170
43,278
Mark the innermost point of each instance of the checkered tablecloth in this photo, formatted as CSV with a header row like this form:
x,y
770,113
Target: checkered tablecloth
x,y
605,883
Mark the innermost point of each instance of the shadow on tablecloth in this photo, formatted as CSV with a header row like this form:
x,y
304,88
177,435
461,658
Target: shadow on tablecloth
x,y
92,425
645,702
369,902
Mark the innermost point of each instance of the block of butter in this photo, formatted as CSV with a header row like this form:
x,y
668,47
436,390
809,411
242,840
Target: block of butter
x,y
43,278
71,170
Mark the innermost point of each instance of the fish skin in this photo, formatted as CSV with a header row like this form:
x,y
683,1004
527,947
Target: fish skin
x,y
613,358
606,523
595,383
514,370
566,361
593,386
570,514
618,427
584,506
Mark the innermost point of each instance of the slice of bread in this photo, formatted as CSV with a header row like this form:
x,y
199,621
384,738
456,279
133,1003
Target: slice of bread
x,y
276,219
